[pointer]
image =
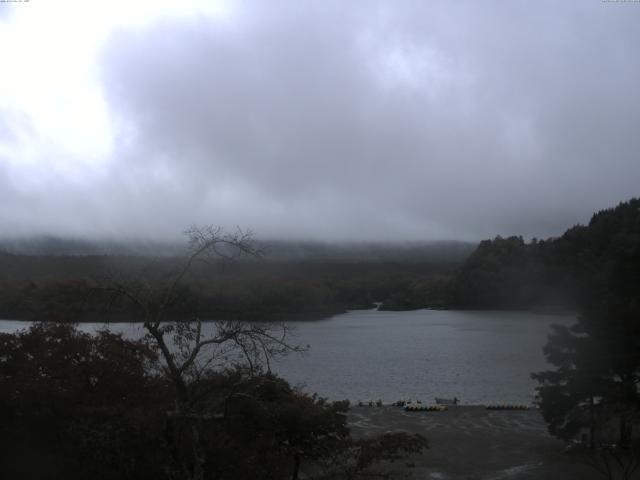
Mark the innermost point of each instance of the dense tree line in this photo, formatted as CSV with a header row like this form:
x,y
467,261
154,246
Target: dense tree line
x,y
63,288
563,271
594,389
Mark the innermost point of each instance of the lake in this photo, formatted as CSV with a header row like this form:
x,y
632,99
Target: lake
x,y
478,356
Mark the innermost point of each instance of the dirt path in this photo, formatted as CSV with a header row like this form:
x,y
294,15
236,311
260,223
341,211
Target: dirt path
x,y
473,443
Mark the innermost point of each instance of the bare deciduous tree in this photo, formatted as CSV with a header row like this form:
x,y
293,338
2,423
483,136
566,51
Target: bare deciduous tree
x,y
190,347
614,462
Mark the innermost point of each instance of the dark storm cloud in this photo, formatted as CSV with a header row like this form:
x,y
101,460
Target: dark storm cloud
x,y
386,120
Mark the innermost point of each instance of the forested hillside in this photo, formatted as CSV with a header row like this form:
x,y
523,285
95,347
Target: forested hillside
x,y
291,281
557,272
313,280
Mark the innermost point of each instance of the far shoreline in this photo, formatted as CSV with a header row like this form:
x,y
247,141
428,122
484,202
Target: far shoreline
x,y
315,316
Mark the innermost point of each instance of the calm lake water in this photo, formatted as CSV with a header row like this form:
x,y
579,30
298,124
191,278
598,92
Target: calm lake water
x,y
479,357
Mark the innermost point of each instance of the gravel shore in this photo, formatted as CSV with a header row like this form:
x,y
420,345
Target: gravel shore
x,y
473,443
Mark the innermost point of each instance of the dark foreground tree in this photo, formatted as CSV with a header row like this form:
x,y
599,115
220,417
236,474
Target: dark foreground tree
x,y
191,400
613,462
597,373
74,405
593,392
595,384
190,349
569,396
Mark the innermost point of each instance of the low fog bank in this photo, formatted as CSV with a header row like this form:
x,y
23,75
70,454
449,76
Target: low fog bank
x,y
273,249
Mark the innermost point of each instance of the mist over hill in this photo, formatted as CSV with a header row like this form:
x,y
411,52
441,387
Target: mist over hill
x,y
43,278
436,252
442,252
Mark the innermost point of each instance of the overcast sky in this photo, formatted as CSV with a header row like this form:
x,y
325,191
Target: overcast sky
x,y
327,120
